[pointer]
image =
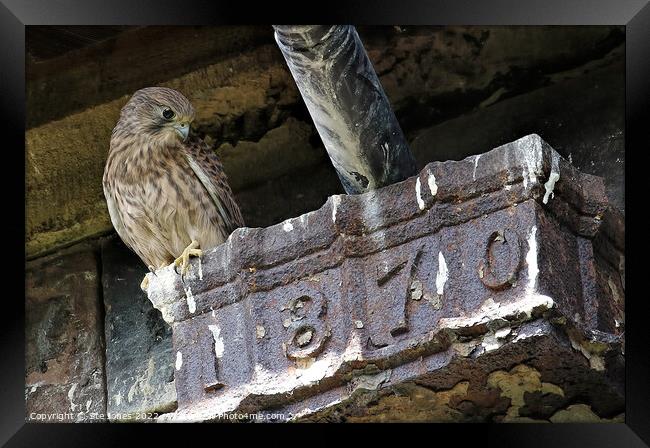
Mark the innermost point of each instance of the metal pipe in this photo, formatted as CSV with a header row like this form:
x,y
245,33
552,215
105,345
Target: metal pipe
x,y
348,105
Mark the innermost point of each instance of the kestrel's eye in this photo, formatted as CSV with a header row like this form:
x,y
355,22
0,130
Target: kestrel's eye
x,y
168,113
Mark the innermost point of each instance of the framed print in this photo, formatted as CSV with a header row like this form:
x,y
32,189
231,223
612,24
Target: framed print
x,y
406,213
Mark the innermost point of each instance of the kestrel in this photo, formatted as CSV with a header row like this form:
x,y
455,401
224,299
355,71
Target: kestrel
x,y
166,190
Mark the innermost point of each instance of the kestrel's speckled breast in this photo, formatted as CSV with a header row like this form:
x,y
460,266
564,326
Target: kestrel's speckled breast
x,y
195,216
168,207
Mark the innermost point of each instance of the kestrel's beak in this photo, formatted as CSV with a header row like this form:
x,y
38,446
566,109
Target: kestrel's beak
x,y
183,129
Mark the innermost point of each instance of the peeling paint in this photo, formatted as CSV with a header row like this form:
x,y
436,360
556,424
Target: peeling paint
x,y
218,341
431,180
179,360
490,342
464,348
260,331
434,300
416,290
532,158
71,396
441,275
191,304
418,194
287,226
553,177
336,200
549,186
353,350
531,260
492,311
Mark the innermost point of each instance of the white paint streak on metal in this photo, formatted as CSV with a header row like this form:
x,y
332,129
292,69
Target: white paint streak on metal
x,y
442,274
218,340
433,187
418,194
531,260
552,178
191,304
71,396
336,200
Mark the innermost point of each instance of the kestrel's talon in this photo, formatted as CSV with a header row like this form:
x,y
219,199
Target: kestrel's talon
x,y
184,260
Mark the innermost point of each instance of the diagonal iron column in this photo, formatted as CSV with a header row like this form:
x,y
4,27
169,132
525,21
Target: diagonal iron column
x,y
348,105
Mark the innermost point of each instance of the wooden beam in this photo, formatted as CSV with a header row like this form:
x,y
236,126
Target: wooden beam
x,y
137,58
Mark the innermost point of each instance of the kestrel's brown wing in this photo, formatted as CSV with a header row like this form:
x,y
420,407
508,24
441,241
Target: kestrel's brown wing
x,y
209,170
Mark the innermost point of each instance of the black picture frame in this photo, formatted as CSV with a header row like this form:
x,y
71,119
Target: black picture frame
x,y
16,14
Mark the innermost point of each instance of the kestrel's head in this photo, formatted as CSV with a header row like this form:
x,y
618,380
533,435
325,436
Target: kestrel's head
x,y
161,113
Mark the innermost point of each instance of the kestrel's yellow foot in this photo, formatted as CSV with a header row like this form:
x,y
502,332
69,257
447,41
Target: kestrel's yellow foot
x,y
184,260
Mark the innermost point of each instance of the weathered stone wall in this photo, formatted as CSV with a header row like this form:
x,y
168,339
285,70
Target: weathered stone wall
x,y
456,91
139,374
64,344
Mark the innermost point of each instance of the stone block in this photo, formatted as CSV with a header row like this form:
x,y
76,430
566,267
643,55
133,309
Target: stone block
x,y
64,350
139,357
486,289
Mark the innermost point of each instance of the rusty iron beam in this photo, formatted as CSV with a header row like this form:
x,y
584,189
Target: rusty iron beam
x,y
505,258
